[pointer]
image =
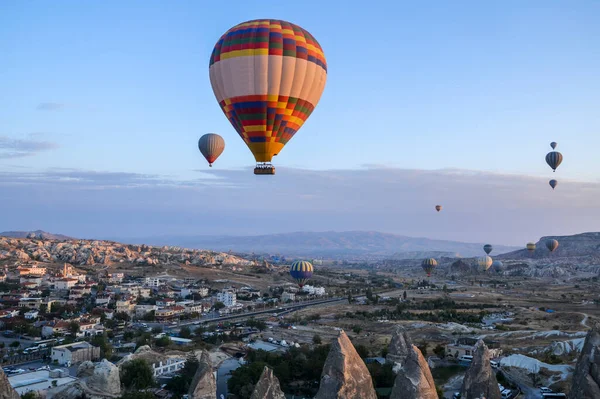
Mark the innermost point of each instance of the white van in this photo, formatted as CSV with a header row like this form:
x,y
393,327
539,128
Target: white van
x,y
494,364
466,358
506,394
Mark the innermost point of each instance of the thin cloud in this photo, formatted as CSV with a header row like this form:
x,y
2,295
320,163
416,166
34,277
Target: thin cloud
x,y
50,106
17,148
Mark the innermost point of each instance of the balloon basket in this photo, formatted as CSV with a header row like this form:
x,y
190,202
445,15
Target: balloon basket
x,y
262,169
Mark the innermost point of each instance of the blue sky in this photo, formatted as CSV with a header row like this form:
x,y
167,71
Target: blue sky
x,y
123,87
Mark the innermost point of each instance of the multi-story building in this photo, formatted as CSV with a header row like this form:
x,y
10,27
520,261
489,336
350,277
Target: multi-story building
x,y
466,347
31,270
103,299
288,296
125,305
314,290
65,283
165,302
32,315
153,282
170,312
169,366
31,303
142,310
115,277
74,353
227,297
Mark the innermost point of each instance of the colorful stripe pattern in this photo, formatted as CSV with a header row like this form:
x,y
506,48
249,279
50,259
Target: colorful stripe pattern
x,y
428,265
301,271
268,76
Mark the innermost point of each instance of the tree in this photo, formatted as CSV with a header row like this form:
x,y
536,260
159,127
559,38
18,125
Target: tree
x,y
138,395
317,339
137,374
157,329
30,395
106,349
163,341
404,295
357,329
180,384
185,332
122,316
218,305
73,327
440,351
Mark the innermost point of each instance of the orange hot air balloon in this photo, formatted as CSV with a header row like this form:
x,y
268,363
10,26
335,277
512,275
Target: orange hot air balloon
x,y
268,76
211,146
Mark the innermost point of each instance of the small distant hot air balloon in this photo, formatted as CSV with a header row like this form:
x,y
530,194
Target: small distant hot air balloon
x,y
530,246
438,208
211,146
553,144
551,245
428,265
301,271
485,262
553,159
488,248
553,183
497,266
268,76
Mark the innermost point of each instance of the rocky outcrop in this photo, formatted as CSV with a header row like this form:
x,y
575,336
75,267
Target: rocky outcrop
x,y
345,375
400,346
414,379
90,252
95,381
6,390
267,386
146,353
480,380
586,379
204,384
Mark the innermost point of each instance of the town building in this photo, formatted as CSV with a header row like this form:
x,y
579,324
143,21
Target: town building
x,y
288,296
31,315
74,353
31,270
141,310
319,291
115,278
65,283
466,347
227,297
170,366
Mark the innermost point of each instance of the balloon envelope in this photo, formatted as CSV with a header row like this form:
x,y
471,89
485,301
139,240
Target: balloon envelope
x,y
211,146
485,262
530,246
438,208
553,144
428,265
268,76
551,245
488,248
554,159
553,183
301,271
497,265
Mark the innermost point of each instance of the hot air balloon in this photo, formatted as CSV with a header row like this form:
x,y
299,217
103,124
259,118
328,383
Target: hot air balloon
x,y
211,146
438,208
553,144
497,266
551,245
553,183
268,76
553,159
428,265
301,271
488,248
485,262
530,246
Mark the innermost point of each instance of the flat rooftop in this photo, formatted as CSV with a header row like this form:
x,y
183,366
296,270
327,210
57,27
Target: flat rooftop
x,y
36,381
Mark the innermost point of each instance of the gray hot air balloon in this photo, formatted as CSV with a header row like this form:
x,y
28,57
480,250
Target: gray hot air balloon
x,y
553,145
553,183
551,245
553,159
488,248
211,145
497,266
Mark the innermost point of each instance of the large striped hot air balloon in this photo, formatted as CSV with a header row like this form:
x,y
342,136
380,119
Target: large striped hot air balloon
x,y
211,146
428,265
268,76
553,159
551,245
301,271
485,262
530,246
488,248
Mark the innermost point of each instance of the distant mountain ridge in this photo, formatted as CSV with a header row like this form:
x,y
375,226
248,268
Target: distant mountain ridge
x,y
330,243
39,234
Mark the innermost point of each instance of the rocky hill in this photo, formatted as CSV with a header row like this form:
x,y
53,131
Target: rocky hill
x,y
576,246
39,234
90,252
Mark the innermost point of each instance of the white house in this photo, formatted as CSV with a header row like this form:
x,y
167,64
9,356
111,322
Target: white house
x,y
314,290
288,296
65,283
31,315
227,297
168,367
